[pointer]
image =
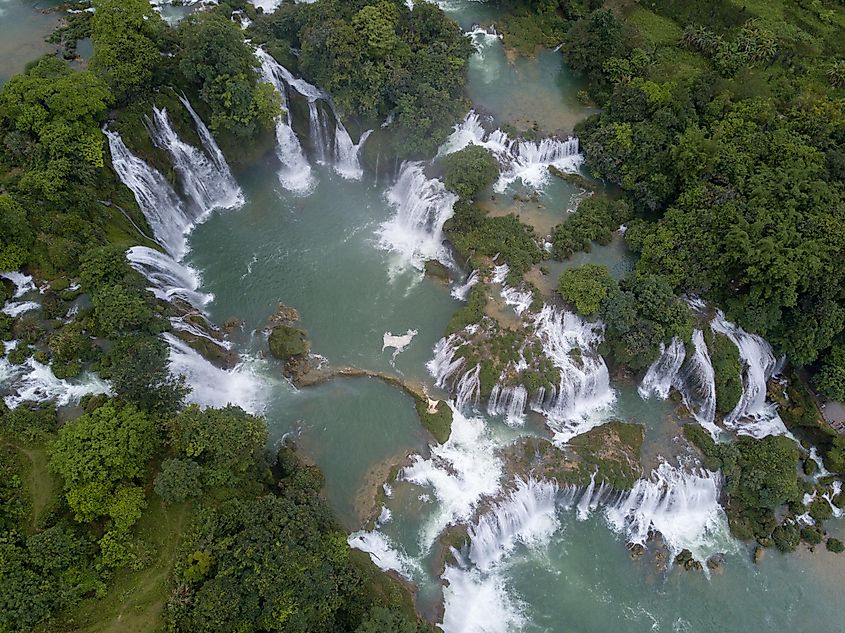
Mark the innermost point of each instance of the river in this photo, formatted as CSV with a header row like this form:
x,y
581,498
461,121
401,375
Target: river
x,y
542,559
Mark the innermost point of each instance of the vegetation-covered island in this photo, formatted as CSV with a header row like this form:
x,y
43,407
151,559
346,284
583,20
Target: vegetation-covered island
x,y
401,316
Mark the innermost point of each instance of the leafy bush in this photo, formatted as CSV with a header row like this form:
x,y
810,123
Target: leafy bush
x,y
586,287
178,480
728,369
595,220
470,171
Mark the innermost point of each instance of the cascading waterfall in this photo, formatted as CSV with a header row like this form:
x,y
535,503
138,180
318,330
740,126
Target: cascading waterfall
x,y
35,382
205,183
468,389
459,472
696,382
334,147
663,372
213,150
461,292
169,219
752,414
211,386
683,506
347,154
510,402
422,205
584,390
527,161
168,277
295,174
476,598
519,300
445,364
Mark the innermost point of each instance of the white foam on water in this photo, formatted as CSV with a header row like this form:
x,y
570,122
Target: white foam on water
x,y
397,341
23,283
459,473
16,308
244,385
33,381
415,231
384,553
682,505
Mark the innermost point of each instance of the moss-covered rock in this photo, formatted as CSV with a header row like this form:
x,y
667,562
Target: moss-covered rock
x,y
727,369
834,545
436,419
436,270
286,341
610,451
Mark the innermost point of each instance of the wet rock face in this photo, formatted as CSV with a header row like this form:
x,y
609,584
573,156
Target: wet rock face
x,y
686,560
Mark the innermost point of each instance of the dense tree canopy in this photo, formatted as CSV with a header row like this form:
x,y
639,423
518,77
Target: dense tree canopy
x,y
470,171
126,54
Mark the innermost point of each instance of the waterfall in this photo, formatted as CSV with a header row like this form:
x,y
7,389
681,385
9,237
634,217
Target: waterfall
x,y
211,386
422,205
35,382
232,195
682,506
663,372
462,292
165,213
384,553
468,389
445,365
527,516
476,598
696,383
526,161
346,154
752,414
207,183
510,402
295,174
584,391
459,472
519,300
168,277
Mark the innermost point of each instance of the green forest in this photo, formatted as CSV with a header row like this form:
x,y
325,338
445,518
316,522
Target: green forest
x,y
720,130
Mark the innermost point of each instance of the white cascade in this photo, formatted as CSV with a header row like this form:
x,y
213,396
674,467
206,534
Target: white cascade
x,y
384,553
459,473
476,598
208,183
584,393
468,389
217,157
683,506
752,414
526,161
663,372
445,364
346,153
33,381
169,219
295,174
211,386
168,277
422,205
510,402
696,382
461,292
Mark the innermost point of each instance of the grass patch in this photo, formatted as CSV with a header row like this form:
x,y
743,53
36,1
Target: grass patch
x,y
40,485
675,64
136,599
439,424
656,29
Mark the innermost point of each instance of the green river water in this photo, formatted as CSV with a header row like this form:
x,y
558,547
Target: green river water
x,y
320,254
